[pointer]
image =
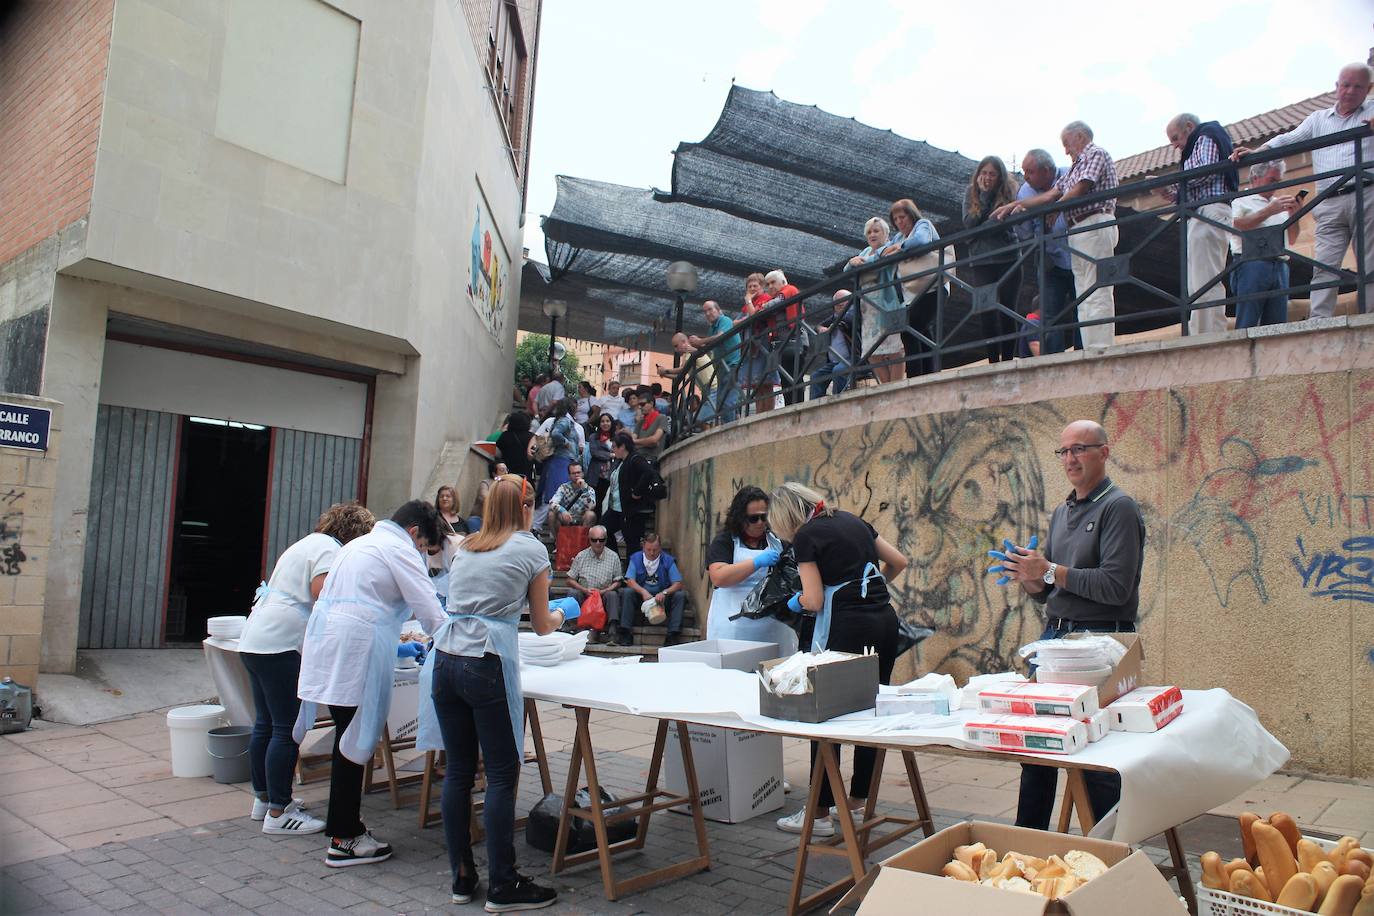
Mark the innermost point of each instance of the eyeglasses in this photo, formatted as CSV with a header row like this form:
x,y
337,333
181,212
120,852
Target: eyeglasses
x,y
755,519
1076,450
597,540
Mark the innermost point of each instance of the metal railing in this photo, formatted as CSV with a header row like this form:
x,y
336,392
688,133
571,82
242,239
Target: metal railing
x,y
768,355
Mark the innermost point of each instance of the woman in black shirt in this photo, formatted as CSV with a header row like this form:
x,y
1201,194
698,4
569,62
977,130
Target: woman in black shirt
x,y
838,555
514,445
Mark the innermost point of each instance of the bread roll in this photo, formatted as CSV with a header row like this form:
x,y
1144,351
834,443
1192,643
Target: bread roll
x,y
1275,857
1325,874
1300,892
1285,825
987,863
1239,863
1343,847
1214,873
1246,884
1087,866
1356,867
1340,900
1247,839
1309,854
1360,855
965,854
1365,906
959,871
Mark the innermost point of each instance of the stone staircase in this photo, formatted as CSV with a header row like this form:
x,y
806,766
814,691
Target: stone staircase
x,y
647,639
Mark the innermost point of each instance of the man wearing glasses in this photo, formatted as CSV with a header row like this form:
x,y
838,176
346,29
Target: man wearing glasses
x,y
1088,578
597,569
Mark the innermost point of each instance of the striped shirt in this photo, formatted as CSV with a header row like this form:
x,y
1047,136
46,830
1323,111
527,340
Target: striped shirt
x,y
1208,187
1321,124
1094,165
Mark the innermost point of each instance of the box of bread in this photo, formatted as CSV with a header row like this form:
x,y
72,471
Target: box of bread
x,y
976,867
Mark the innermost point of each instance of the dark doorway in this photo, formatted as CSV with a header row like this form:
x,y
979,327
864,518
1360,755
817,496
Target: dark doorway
x,y
221,499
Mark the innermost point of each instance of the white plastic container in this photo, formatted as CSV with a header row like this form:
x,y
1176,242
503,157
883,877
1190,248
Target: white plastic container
x,y
188,726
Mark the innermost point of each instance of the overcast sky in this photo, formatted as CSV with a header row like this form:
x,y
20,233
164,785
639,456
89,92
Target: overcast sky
x,y
621,82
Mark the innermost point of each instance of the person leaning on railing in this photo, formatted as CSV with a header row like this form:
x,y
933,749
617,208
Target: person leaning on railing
x,y
725,355
920,289
1336,230
756,377
1092,171
1057,307
785,335
1254,276
992,261
838,333
886,299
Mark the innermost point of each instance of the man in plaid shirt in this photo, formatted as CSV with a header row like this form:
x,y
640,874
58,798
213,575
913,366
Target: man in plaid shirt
x,y
598,569
1092,171
1209,223
573,503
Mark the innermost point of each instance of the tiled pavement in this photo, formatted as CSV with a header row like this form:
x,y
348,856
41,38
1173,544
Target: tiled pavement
x,y
91,820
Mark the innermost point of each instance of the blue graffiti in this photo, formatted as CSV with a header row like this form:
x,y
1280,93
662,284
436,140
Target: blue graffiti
x,y
1339,575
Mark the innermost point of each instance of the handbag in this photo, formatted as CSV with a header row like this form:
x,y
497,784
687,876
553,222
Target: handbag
x,y
543,448
918,286
655,487
593,613
572,540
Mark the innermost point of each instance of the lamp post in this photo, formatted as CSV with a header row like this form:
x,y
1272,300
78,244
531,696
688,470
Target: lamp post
x,y
554,309
682,279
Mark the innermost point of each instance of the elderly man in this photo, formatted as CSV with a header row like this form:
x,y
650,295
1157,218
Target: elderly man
x,y
653,574
1088,578
834,372
1200,144
786,335
597,569
551,393
1092,171
1336,215
573,503
725,355
1056,296
1264,278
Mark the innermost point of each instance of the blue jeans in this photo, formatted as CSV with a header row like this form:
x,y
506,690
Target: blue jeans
x,y
1056,311
474,523
271,752
1260,276
470,701
725,394
1035,806
829,375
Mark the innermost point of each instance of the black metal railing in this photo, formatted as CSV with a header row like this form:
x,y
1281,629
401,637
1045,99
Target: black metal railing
x,y
768,355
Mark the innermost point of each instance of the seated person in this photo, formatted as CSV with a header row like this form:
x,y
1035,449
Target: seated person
x,y
573,503
653,574
597,569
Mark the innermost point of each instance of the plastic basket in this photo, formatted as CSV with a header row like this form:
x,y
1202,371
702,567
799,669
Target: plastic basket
x,y
1212,902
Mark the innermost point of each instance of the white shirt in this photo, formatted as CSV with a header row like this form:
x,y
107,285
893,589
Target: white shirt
x,y
372,577
277,622
1324,122
578,433
1249,206
584,407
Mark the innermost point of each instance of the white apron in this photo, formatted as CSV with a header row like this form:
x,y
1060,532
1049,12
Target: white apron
x,y
729,599
504,635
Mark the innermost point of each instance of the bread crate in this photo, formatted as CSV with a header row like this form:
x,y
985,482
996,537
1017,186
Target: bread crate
x,y
1212,902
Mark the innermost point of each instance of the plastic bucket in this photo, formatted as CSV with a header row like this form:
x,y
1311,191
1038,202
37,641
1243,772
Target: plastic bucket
x,y
187,727
228,750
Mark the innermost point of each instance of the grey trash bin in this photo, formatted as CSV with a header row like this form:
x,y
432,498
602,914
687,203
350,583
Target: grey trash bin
x,y
228,750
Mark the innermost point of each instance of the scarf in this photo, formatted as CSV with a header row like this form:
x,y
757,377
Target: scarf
x,y
651,566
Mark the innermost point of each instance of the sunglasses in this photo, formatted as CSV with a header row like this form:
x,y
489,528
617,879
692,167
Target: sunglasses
x,y
597,540
755,519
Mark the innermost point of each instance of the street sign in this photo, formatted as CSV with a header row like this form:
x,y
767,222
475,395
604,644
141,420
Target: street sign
x,y
24,427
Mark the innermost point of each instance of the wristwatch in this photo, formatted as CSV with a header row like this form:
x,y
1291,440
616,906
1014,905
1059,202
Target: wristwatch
x,y
1048,577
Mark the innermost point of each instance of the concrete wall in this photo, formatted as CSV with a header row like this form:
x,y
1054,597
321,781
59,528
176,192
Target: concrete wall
x,y
1251,456
27,479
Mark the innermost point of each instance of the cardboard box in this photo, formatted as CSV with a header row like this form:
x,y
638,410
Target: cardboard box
x,y
924,704
1042,734
1146,709
836,689
730,654
739,773
403,718
1099,725
910,882
1036,699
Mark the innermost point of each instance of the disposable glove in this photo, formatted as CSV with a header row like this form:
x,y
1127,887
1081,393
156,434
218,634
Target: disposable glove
x,y
569,606
768,558
1008,547
794,603
415,650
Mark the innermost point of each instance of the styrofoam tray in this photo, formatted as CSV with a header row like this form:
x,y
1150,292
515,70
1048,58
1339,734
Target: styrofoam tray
x,y
1212,902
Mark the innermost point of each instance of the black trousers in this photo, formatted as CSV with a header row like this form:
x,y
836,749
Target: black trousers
x,y
996,323
921,317
791,359
344,818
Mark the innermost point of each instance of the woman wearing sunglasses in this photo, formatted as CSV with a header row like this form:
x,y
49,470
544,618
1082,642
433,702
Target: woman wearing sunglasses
x,y
737,560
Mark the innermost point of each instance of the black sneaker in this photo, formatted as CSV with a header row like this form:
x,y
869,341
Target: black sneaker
x,y
358,850
625,637
672,639
464,886
520,894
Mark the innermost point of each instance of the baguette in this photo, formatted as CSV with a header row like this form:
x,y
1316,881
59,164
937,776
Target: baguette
x,y
1356,867
959,872
1342,897
1246,884
1365,905
1360,855
1343,847
1240,863
1213,872
1309,854
1300,892
1275,857
1285,825
1325,874
1247,839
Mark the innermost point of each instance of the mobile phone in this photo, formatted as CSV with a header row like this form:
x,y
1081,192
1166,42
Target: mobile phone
x,y
1301,196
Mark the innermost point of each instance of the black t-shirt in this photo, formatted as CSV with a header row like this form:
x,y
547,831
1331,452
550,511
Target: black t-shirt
x,y
722,549
841,545
513,448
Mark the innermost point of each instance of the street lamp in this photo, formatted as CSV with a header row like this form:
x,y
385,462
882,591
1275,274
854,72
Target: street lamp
x,y
554,309
682,279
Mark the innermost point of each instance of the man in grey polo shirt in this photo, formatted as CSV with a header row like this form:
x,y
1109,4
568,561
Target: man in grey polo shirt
x,y
1088,578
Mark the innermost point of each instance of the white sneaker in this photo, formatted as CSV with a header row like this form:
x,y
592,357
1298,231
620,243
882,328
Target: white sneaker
x,y
821,827
855,814
359,850
261,807
293,819
786,787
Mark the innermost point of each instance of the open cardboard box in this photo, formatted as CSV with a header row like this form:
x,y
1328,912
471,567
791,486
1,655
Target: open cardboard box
x,y
910,881
1125,677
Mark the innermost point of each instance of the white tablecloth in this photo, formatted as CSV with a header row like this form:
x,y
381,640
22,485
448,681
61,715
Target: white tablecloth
x,y
1206,757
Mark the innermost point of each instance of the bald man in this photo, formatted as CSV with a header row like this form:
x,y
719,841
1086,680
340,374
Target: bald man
x,y
1088,578
1335,216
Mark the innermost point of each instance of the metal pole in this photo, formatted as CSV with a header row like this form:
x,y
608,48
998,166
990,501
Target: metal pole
x,y
1184,294
1360,241
677,328
553,338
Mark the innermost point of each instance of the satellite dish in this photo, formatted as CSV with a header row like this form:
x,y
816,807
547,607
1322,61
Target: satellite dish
x,y
559,350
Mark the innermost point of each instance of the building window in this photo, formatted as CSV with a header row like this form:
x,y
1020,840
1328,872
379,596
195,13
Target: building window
x,y
506,68
629,373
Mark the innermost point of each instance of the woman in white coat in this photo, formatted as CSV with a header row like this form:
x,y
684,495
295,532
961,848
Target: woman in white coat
x,y
377,582
737,560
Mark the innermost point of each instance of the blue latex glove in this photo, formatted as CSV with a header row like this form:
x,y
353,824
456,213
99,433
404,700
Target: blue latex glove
x,y
415,650
768,558
569,606
1011,548
794,603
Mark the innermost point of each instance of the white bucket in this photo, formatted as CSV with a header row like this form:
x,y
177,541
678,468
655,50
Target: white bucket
x,y
188,726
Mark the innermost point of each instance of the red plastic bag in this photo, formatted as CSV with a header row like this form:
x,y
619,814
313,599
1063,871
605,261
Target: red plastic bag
x,y
572,540
593,615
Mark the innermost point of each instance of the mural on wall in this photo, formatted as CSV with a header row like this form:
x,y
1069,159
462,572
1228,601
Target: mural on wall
x,y
488,272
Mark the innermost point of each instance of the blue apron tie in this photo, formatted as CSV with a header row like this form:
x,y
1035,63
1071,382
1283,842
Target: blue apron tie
x,y
820,637
264,591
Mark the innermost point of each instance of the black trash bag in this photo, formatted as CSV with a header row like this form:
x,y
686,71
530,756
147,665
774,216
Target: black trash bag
x,y
541,828
908,635
769,598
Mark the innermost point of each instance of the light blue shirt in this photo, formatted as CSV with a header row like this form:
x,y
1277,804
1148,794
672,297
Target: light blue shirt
x,y
1058,252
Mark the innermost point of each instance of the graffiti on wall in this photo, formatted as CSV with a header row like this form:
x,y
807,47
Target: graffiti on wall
x,y
1345,574
12,556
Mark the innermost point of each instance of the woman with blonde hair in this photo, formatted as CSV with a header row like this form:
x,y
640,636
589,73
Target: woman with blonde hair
x,y
473,682
877,304
992,260
270,648
838,555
